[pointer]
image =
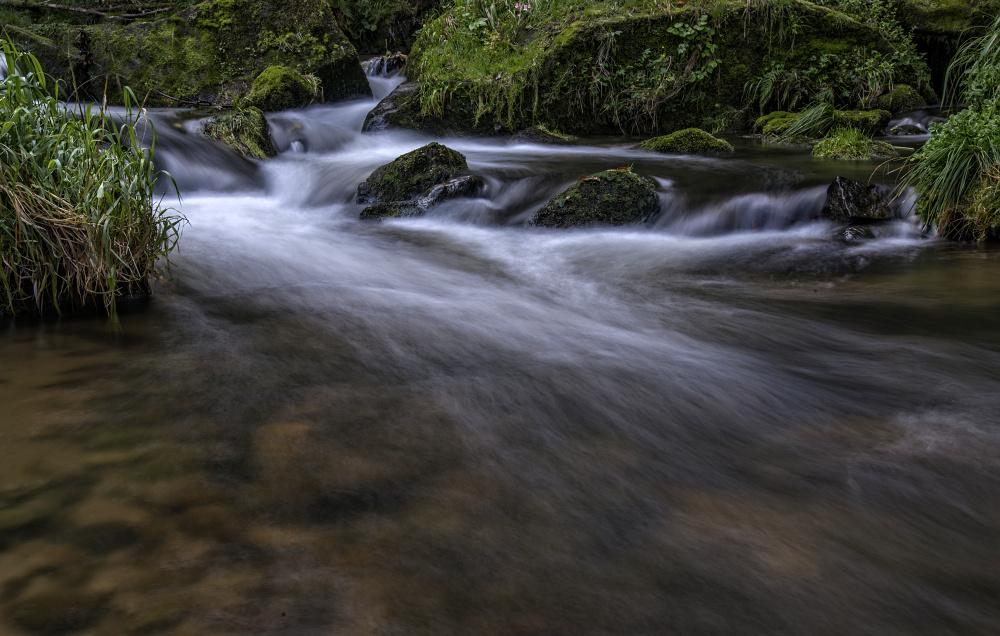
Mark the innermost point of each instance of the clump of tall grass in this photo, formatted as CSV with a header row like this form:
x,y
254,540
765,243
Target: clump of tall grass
x,y
955,173
79,224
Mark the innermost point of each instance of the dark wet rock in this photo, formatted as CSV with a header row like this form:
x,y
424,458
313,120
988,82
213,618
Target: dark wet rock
x,y
687,141
280,88
849,201
906,129
901,98
401,110
612,197
855,233
408,177
245,130
386,64
542,135
467,186
57,612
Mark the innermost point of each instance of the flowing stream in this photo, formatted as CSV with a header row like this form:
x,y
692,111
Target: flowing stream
x,y
724,422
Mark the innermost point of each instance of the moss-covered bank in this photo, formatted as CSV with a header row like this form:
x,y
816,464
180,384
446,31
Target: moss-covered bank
x,y
655,69
210,52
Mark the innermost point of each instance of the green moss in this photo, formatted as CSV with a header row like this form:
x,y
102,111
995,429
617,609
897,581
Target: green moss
x,y
246,130
411,175
901,98
280,88
764,120
612,197
687,141
391,210
871,122
852,144
776,126
209,53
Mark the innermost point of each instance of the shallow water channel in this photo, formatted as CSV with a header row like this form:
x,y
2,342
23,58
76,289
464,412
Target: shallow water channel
x,y
724,422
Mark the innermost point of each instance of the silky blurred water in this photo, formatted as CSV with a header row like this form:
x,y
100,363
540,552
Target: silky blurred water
x,y
724,422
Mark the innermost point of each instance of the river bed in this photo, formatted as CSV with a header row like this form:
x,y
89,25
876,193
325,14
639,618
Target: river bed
x,y
724,422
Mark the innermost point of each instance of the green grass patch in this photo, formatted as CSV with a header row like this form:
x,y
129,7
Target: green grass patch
x,y
852,144
78,220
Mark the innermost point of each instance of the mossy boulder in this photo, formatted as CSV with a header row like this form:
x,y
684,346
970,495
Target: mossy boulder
x,y
871,122
280,88
409,176
612,197
687,141
901,98
246,130
402,109
764,120
209,52
776,126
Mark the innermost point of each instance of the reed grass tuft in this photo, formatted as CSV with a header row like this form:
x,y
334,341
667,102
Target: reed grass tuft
x,y
79,224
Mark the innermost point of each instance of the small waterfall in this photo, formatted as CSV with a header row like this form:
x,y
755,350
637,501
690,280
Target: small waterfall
x,y
385,64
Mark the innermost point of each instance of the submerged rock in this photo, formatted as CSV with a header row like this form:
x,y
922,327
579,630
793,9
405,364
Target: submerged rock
x,y
612,197
687,141
849,201
855,234
57,612
906,129
246,130
280,88
410,176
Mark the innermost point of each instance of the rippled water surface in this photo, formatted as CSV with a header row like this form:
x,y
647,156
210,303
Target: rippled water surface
x,y
724,422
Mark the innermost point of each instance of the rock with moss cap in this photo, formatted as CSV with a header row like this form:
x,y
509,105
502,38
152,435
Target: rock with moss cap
x,y
280,88
901,98
407,177
687,141
871,122
764,120
245,130
612,197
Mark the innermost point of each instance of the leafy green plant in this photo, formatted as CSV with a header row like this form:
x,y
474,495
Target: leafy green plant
x,y
955,173
78,219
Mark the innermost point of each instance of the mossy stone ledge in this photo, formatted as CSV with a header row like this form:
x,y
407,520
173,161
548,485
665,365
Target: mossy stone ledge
x,y
411,175
612,197
280,88
687,141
